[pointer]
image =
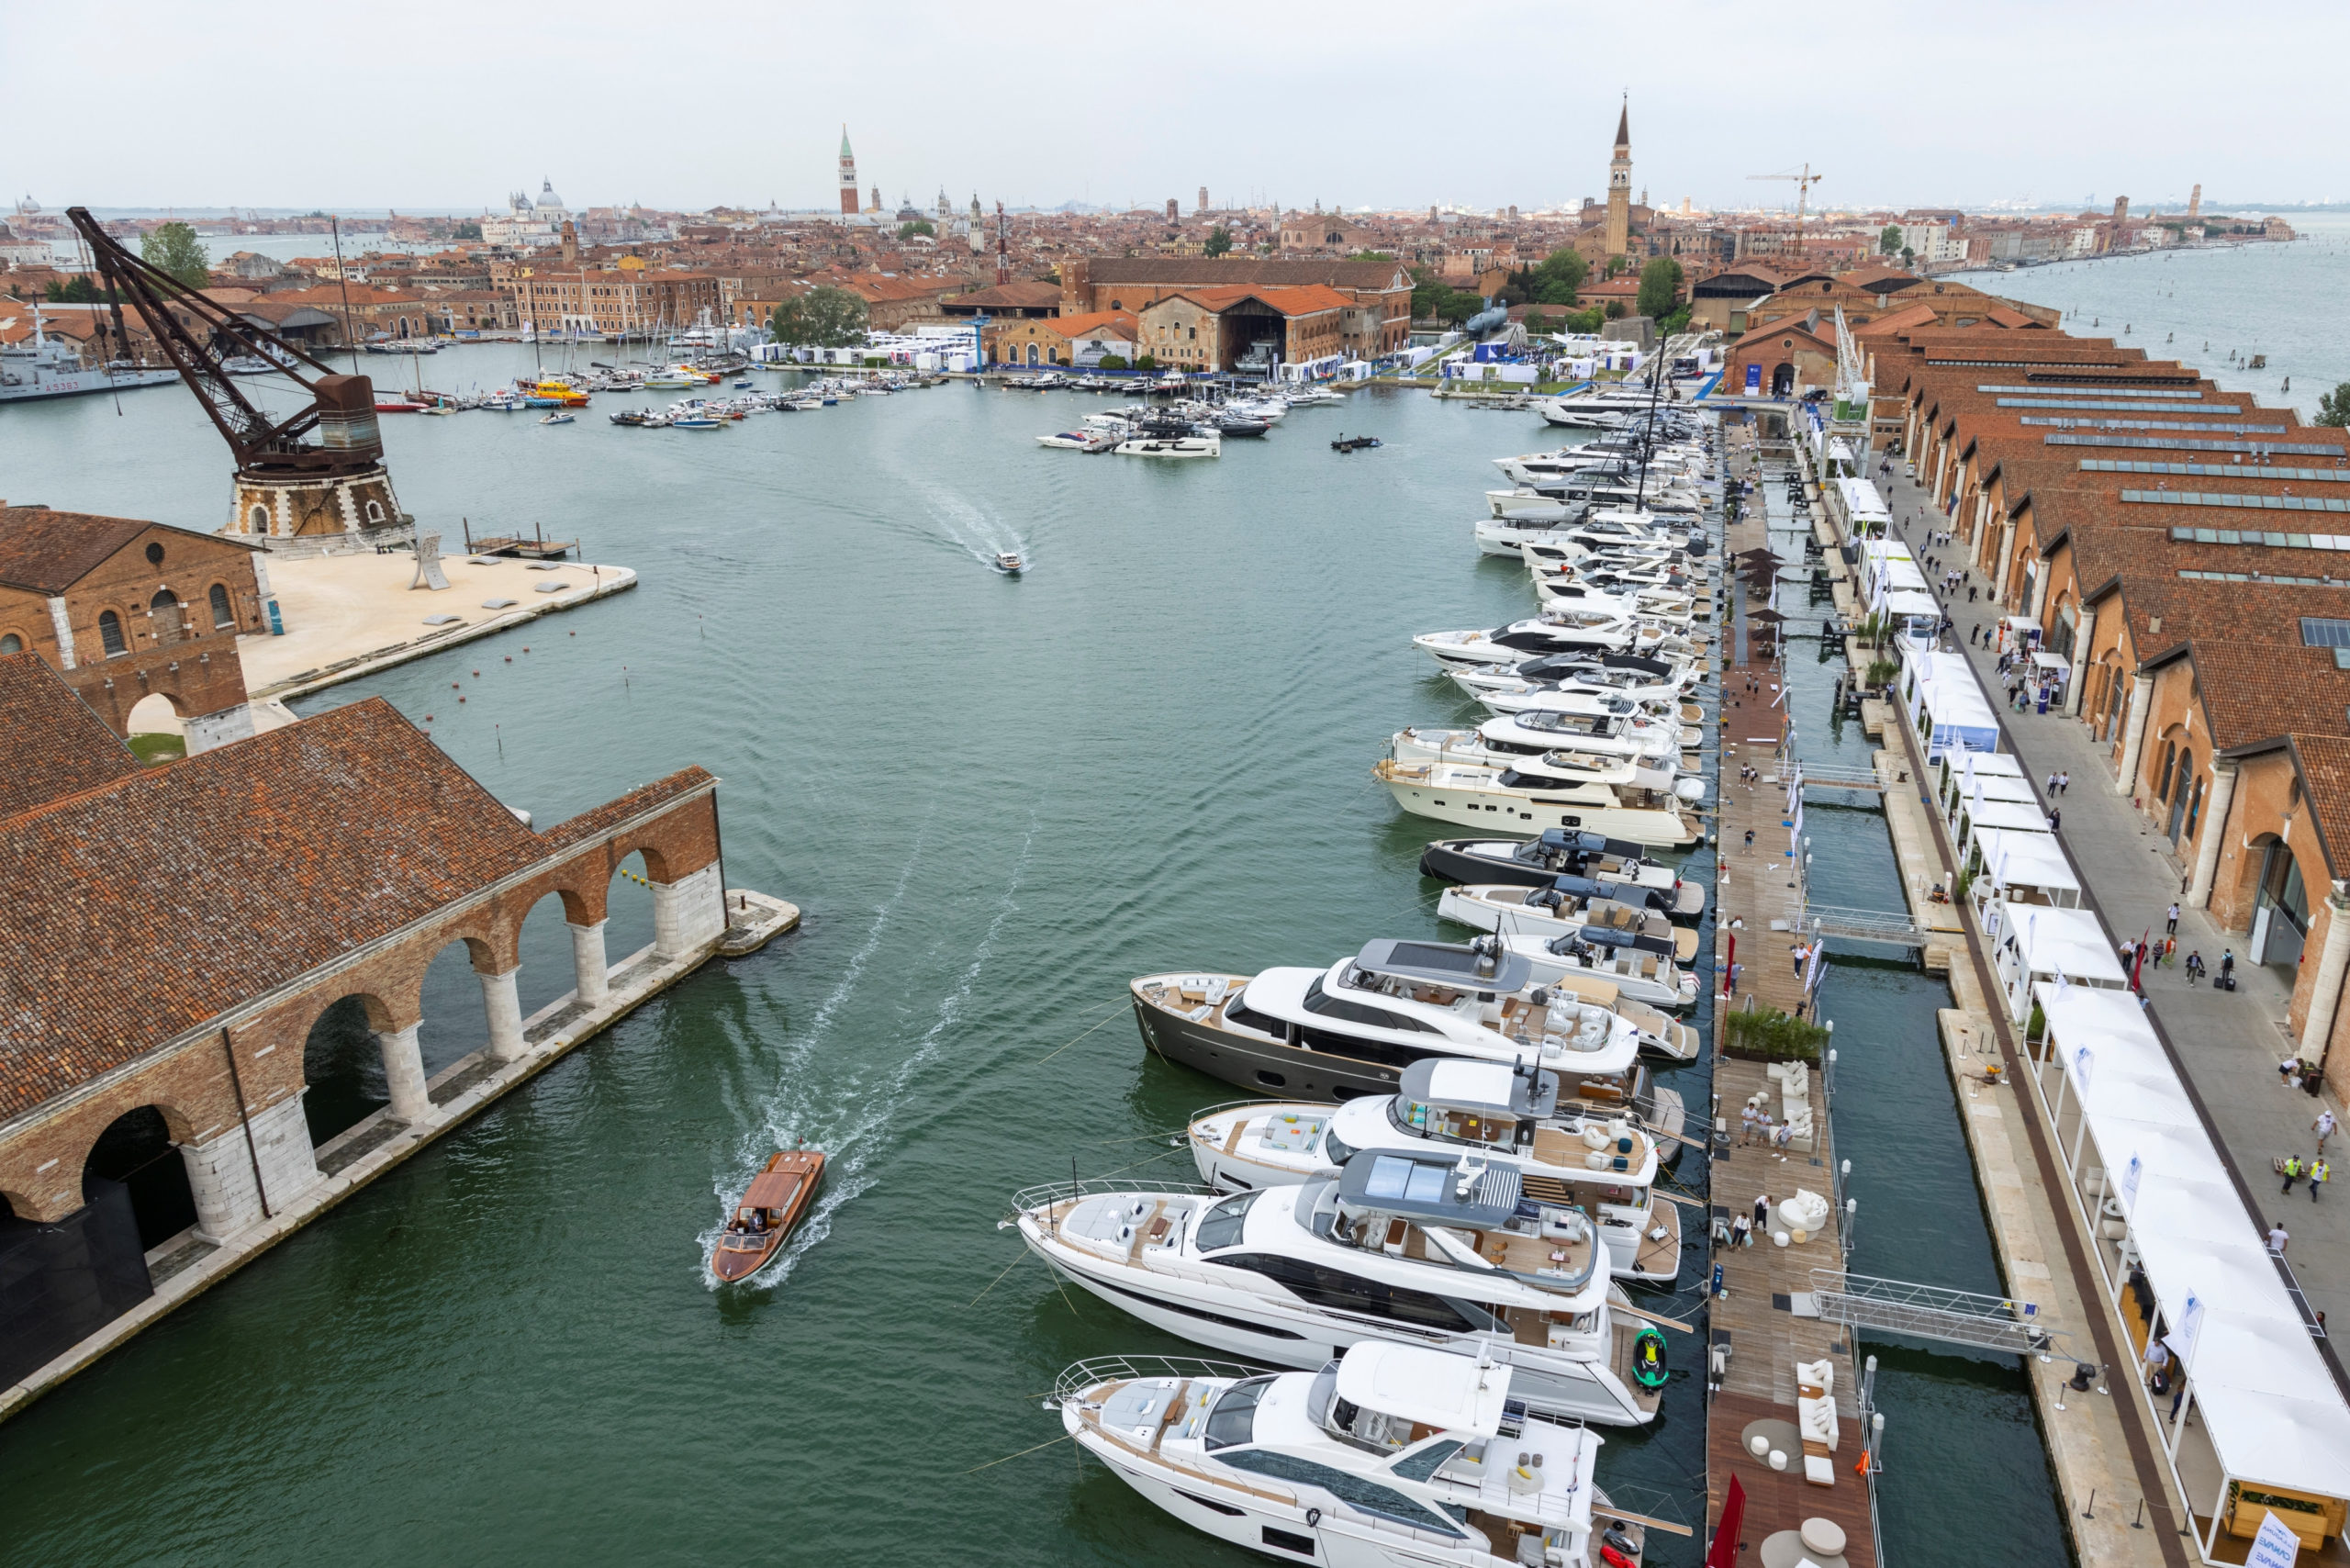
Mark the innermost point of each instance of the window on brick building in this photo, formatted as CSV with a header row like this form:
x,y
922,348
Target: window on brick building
x,y
110,635
223,615
12,643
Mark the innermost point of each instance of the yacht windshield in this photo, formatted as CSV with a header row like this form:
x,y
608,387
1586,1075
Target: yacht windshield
x,y
1234,1420
1221,1225
1335,1150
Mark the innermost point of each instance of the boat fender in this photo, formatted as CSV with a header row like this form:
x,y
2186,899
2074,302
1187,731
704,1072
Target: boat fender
x,y
1618,1540
1312,1518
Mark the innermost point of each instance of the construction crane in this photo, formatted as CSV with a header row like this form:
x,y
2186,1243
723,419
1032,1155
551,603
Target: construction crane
x,y
199,335
1804,182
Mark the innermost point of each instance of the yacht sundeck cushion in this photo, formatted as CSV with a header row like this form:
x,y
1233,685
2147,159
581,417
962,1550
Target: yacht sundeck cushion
x,y
1820,1374
1816,1418
1818,1472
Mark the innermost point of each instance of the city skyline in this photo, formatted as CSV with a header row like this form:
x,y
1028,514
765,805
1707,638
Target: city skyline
x,y
1372,125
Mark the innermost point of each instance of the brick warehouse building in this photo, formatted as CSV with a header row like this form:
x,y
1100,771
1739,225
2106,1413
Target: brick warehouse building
x,y
1378,318
125,609
179,934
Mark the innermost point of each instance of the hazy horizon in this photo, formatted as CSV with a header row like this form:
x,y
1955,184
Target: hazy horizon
x,y
449,109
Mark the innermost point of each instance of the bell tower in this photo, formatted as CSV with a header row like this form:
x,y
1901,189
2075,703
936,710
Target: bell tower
x,y
1619,184
848,176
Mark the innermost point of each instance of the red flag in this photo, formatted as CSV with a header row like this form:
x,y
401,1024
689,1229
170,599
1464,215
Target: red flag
x,y
2138,965
1729,965
1723,1553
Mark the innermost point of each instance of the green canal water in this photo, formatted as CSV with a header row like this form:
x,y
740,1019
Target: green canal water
x,y
996,800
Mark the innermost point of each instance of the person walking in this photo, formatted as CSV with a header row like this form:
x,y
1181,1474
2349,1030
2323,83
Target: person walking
x,y
2278,1238
2064,782
2170,921
2194,966
2323,1127
2055,814
1802,953
2320,1174
1761,1210
2228,966
2051,783
2292,1169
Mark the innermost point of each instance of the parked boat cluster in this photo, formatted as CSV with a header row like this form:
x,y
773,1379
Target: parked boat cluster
x,y
1438,1216
1192,426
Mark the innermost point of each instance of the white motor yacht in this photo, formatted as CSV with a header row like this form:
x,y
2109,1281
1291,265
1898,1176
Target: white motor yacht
x,y
1517,736
1079,441
1557,790
1605,1165
1563,630
1567,693
1577,960
1209,445
1401,1247
1568,925
1389,1455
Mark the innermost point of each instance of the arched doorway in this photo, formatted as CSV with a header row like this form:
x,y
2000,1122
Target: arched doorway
x,y
2280,916
135,1159
1032,353
158,731
2182,782
1783,381
342,1063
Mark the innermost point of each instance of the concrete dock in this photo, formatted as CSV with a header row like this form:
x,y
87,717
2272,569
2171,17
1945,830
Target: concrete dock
x,y
350,615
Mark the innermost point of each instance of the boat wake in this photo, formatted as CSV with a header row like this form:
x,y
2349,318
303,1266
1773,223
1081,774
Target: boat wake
x,y
852,1150
979,533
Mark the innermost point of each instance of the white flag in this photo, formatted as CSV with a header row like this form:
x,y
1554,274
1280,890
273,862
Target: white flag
x,y
2276,1546
2190,1328
2130,1173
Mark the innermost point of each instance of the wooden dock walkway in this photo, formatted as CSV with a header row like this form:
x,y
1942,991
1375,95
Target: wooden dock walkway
x,y
1757,1337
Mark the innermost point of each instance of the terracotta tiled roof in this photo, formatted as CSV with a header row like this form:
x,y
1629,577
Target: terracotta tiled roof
x,y
1223,272
1010,296
2325,778
57,746
2257,691
48,551
1119,323
134,912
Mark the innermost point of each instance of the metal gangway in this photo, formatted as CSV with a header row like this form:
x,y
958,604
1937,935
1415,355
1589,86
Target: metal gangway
x,y
1931,1311
1890,926
1826,776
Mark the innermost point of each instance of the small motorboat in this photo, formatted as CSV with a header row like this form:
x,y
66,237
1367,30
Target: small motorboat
x,y
774,1204
695,422
1079,441
558,418
1008,563
1355,444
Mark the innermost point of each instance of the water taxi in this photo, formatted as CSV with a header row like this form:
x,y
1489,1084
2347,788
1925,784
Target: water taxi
x,y
775,1201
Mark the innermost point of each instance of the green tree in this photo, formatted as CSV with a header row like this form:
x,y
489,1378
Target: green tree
x,y
1660,288
75,290
174,248
469,229
2334,409
1907,255
1146,362
1890,240
1219,242
825,318
912,227
1372,256
1552,281
1112,361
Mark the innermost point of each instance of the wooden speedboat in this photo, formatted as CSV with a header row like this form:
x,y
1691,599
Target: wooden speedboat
x,y
774,1205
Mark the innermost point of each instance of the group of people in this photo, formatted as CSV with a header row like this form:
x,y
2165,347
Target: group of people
x,y
1756,1122
1743,1228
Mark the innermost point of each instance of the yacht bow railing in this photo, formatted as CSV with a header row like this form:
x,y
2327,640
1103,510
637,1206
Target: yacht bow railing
x,y
1038,1197
1095,1371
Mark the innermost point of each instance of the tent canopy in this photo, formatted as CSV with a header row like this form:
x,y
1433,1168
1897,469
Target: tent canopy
x,y
2066,942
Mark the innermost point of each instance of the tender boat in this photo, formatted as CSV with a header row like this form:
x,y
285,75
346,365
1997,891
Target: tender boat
x,y
1008,563
1402,1248
1390,1454
1588,954
1079,441
1558,852
775,1201
1603,1165
557,418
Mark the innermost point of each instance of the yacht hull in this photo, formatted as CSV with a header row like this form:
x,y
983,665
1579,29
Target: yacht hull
x,y
1549,1382
1252,1061
1518,812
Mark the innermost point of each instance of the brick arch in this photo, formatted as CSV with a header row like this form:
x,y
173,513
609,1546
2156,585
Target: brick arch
x,y
656,863
382,1016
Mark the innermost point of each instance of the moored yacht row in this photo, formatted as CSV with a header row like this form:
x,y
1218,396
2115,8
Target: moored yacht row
x,y
1456,1171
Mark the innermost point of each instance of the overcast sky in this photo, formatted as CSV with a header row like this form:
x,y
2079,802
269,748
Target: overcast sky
x,y
431,106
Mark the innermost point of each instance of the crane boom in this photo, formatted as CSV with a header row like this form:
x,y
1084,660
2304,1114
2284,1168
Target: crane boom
x,y
1803,183
341,409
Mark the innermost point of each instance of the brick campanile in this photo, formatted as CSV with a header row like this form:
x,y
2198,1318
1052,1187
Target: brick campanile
x,y
849,175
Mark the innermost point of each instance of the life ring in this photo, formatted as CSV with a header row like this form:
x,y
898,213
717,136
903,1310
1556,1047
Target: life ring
x,y
1647,1358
